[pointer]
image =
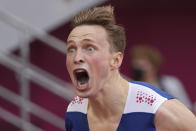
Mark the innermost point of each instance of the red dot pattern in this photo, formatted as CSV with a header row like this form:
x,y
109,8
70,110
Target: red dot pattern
x,y
77,100
146,98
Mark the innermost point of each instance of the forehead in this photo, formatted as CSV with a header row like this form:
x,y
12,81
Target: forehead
x,y
92,32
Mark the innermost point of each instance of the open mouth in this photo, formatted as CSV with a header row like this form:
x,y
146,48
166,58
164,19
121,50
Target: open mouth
x,y
81,76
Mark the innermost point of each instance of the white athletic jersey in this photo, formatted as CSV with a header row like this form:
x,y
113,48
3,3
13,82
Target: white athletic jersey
x,y
143,101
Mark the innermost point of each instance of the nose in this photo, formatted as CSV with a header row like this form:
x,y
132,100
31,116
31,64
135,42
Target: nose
x,y
78,58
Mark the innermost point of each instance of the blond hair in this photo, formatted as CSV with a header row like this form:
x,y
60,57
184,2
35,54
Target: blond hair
x,y
103,16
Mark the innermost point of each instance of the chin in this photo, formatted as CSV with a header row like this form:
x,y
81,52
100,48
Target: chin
x,y
83,94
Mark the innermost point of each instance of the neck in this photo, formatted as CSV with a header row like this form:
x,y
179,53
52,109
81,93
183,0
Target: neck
x,y
111,99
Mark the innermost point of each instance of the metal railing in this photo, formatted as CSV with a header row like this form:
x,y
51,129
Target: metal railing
x,y
39,76
31,108
29,72
32,31
15,120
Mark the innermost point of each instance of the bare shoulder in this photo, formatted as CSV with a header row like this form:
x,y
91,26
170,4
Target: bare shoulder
x,y
174,116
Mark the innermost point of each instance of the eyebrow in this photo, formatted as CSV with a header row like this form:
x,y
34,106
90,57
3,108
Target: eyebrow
x,y
70,41
84,40
88,40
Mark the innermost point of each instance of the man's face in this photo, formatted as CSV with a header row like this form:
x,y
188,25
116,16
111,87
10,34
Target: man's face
x,y
88,59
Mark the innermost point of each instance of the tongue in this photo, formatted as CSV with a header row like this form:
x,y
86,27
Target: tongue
x,y
83,80
82,84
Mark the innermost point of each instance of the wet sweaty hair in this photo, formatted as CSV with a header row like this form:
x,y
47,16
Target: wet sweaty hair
x,y
103,16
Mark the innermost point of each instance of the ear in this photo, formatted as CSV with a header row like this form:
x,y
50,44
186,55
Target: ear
x,y
116,60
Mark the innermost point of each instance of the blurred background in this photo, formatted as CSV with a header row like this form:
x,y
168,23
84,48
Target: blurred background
x,y
35,87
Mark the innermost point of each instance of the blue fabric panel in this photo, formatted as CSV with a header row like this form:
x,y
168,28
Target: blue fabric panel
x,y
138,121
76,121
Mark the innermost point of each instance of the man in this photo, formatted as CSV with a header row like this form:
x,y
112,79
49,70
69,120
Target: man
x,y
105,101
146,62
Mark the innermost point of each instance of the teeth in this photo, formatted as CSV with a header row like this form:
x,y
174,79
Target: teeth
x,y
82,84
79,70
81,76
